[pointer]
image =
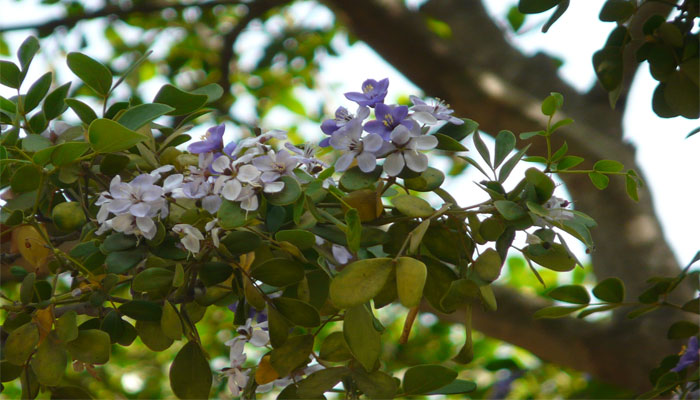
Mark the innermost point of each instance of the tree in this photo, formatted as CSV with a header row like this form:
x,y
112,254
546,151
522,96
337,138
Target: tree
x,y
466,70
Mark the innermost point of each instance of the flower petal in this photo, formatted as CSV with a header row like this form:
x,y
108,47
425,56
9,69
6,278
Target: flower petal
x,y
416,161
394,164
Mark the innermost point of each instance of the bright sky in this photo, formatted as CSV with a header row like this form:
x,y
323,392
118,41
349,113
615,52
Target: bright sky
x,y
668,160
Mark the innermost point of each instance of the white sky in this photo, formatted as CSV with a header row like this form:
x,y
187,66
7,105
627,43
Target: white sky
x,y
669,161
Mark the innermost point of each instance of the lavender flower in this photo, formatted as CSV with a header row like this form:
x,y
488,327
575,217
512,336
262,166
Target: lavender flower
x,y
349,140
190,236
689,357
342,117
373,93
273,165
388,118
431,113
212,141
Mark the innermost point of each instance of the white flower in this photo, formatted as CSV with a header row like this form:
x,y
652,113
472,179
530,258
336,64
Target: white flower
x,y
556,212
191,236
407,144
307,156
431,113
213,230
255,334
341,254
348,140
532,239
273,165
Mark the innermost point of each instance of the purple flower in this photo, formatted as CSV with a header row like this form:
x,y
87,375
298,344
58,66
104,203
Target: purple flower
x,y
388,118
373,93
213,141
690,356
342,117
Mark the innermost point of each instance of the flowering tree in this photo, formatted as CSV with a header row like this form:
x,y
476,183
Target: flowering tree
x,y
314,245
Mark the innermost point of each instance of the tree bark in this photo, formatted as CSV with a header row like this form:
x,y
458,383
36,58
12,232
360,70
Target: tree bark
x,y
486,79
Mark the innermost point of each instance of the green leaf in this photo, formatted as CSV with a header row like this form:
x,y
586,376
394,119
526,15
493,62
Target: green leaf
x,y
334,348
54,104
297,311
33,143
279,272
509,210
118,241
214,272
92,346
608,166
458,386
140,115
182,102
376,385
26,289
536,6
354,179
411,275
599,180
26,52
631,185
515,18
569,162
170,322
528,135
213,92
482,149
320,382
232,216
508,166
241,242
142,310
67,327
561,9
544,186
153,336
562,123
611,290
681,95
37,92
120,262
488,265
92,72
300,238
69,393
555,312
152,279
107,136
9,74
608,66
359,282
49,363
426,378
682,330
692,306
82,110
552,103
427,181
288,195
593,310
570,294
292,354
505,143
25,179
190,374
363,340
556,257
617,10
21,343
412,206
560,153
448,144
66,153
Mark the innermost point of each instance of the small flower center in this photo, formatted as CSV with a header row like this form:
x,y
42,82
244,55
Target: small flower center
x,y
367,88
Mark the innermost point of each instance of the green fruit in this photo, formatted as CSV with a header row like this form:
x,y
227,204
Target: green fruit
x,y
68,216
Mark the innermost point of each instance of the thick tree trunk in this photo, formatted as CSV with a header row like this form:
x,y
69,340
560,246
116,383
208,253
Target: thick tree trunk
x,y
486,79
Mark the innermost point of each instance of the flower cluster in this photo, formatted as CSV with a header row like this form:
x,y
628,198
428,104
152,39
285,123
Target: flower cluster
x,y
238,172
397,133
258,336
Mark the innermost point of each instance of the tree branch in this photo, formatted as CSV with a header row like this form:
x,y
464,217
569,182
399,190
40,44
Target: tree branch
x,y
113,11
486,79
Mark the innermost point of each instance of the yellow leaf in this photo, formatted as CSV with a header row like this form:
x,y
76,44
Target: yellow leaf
x,y
44,320
247,260
265,373
30,245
